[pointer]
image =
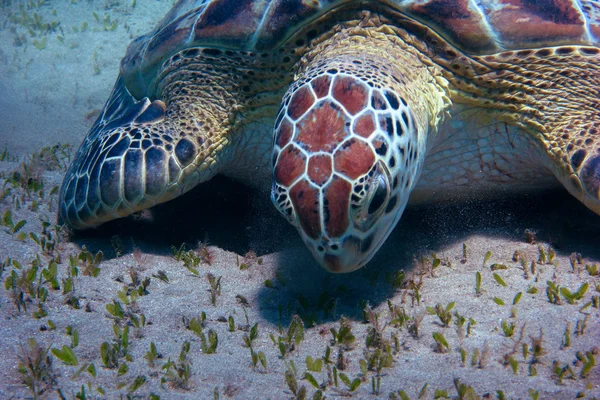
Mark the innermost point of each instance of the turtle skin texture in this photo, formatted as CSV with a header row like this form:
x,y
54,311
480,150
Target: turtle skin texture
x,y
348,109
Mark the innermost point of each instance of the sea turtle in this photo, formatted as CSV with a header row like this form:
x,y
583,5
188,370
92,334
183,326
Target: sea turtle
x,y
348,107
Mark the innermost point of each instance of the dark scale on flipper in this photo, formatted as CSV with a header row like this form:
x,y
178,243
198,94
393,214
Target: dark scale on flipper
x,y
577,158
392,162
70,190
154,113
589,50
72,213
146,144
109,182
543,52
564,50
185,152
81,191
120,148
212,52
191,53
110,141
93,198
590,175
174,170
156,175
94,151
133,184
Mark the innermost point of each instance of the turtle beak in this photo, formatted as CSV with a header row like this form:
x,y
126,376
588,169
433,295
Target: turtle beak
x,y
340,257
339,263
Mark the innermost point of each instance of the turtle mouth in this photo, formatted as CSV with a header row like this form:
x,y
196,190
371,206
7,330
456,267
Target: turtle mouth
x,y
342,256
338,264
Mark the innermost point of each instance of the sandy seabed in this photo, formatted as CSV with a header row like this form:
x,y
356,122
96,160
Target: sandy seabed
x,y
144,320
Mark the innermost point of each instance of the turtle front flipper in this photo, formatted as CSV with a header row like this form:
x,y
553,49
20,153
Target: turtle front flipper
x,y
350,140
556,101
137,154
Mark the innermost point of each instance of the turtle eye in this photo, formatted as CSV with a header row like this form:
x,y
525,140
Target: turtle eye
x,y
368,209
380,194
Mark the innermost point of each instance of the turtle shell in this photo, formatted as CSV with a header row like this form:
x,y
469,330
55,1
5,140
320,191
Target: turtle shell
x,y
482,27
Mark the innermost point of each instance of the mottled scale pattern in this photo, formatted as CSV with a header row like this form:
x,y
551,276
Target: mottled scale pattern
x,y
118,173
485,26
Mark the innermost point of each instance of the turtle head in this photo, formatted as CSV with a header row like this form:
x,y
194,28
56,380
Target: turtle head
x,y
346,157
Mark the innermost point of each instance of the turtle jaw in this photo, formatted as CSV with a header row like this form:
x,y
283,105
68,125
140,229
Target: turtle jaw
x,y
353,223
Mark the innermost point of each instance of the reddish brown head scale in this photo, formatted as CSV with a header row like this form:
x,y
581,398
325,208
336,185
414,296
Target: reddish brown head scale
x,y
351,93
290,165
354,158
323,128
336,200
306,199
302,100
319,168
364,125
284,134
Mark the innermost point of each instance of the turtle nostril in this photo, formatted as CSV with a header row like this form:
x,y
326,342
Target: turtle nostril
x,y
334,247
